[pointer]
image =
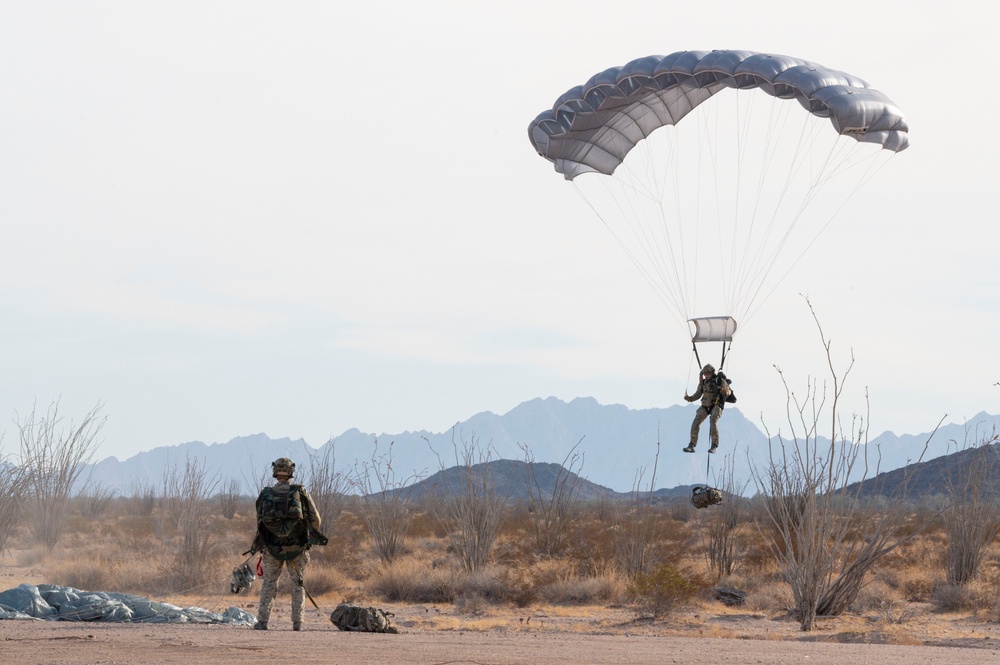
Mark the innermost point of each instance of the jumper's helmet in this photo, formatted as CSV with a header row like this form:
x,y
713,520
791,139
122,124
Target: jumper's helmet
x,y
282,465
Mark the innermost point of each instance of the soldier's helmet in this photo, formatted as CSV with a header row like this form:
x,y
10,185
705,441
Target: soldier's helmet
x,y
283,465
708,369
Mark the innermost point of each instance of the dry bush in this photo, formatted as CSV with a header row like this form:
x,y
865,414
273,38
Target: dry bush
x,y
383,502
493,584
229,498
326,485
13,486
636,523
971,517
966,597
142,499
660,591
553,510
721,533
876,596
472,504
820,493
407,580
322,580
54,458
602,587
96,500
772,599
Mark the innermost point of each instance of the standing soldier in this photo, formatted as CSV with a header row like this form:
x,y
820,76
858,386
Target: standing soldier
x,y
714,392
286,518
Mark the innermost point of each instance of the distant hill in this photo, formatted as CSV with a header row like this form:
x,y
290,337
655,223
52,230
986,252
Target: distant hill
x,y
932,478
618,447
512,478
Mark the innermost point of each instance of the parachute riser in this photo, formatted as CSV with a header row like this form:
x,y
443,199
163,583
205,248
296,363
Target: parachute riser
x,y
722,362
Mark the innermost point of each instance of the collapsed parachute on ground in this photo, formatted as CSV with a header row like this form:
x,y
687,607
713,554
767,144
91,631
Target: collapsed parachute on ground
x,y
715,197
59,603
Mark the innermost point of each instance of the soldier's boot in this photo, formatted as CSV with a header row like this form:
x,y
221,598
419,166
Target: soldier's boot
x,y
297,626
689,448
714,447
260,626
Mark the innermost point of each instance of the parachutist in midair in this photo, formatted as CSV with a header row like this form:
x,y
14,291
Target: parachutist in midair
x,y
714,391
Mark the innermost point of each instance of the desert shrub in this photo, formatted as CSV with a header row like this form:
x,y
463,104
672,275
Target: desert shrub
x,y
966,597
493,584
660,591
774,598
471,604
94,503
54,457
229,498
410,581
141,499
876,596
585,590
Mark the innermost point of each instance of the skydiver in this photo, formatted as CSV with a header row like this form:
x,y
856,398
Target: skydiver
x,y
714,391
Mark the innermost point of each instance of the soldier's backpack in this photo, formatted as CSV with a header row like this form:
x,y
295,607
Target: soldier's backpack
x,y
348,616
703,496
280,512
281,524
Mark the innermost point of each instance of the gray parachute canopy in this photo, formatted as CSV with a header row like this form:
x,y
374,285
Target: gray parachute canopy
x,y
592,127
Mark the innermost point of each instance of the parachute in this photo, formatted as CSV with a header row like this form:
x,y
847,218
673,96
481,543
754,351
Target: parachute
x,y
716,197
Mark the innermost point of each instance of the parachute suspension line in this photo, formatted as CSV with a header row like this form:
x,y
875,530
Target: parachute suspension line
x,y
752,252
755,274
875,164
668,299
767,260
641,228
765,266
677,252
665,253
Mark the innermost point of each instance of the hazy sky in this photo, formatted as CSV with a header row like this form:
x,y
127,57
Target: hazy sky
x,y
224,218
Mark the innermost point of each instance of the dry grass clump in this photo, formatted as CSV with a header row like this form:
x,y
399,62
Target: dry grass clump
x,y
968,598
606,588
875,596
409,580
772,599
322,580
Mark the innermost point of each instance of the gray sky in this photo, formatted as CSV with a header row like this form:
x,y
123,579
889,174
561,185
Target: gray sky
x,y
226,218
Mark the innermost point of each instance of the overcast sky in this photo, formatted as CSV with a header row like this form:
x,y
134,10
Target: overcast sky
x,y
224,218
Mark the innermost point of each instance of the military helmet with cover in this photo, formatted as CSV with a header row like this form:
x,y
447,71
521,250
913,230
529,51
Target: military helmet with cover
x,y
708,369
283,465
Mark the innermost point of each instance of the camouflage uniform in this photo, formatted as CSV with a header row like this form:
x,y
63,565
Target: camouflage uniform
x,y
711,406
297,561
269,587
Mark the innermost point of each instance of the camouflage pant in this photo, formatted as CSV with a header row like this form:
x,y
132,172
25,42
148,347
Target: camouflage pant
x,y
713,430
269,587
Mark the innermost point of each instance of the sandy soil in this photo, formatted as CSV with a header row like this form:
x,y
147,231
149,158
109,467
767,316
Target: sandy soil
x,y
439,635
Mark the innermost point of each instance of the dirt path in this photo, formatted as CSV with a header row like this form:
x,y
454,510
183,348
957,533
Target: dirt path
x,y
64,643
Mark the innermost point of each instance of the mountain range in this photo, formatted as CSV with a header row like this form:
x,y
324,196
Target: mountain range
x,y
619,448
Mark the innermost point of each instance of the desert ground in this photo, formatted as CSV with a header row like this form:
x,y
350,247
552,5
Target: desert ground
x,y
434,636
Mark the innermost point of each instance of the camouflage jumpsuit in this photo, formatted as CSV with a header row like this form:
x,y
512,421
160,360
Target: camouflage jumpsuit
x,y
296,567
708,391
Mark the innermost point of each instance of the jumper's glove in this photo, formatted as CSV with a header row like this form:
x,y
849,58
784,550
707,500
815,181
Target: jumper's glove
x,y
688,398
